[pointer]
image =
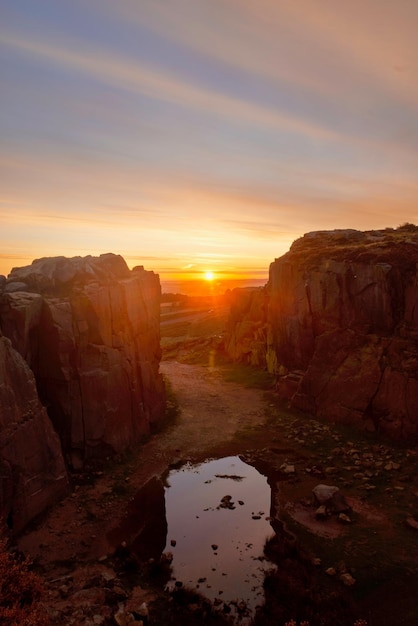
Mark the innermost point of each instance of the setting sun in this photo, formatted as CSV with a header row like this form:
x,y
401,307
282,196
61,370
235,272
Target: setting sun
x,y
209,275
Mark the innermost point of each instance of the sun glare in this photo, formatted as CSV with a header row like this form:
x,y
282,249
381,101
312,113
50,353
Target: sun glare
x,y
209,276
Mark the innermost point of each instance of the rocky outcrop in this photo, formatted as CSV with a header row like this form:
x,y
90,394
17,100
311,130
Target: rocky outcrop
x,y
32,470
246,334
341,327
88,328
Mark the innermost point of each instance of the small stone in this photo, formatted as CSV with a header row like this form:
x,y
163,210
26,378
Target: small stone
x,y
324,493
347,579
392,466
412,523
143,610
321,512
331,571
226,503
120,617
344,519
316,561
369,487
214,546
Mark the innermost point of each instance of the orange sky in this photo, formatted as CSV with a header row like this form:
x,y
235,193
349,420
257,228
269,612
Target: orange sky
x,y
191,136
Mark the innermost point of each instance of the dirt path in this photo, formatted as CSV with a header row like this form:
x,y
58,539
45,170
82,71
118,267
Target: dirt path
x,y
212,413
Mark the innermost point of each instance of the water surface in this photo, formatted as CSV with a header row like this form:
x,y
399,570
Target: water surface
x,y
217,524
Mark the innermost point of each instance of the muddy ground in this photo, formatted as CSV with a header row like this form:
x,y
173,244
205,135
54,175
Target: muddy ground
x,y
217,409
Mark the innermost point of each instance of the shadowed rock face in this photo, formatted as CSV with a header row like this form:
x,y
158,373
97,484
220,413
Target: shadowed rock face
x,y
89,330
32,470
341,327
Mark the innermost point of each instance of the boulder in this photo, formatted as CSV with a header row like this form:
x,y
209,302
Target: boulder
x,y
338,326
32,470
89,330
330,498
324,493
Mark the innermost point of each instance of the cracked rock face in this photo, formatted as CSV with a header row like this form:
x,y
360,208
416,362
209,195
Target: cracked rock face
x,y
32,470
340,327
88,327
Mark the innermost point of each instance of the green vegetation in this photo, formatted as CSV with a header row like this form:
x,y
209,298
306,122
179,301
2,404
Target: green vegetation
x,y
247,376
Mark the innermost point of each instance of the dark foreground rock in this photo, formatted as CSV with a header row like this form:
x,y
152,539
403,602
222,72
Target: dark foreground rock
x,y
88,329
32,470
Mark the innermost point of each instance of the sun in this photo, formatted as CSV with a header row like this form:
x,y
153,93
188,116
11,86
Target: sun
x,y
209,276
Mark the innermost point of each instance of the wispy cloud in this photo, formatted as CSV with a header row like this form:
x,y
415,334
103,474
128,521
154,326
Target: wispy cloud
x,y
217,132
156,83
325,48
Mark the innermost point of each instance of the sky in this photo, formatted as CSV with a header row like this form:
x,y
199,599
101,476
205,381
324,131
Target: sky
x,y
203,135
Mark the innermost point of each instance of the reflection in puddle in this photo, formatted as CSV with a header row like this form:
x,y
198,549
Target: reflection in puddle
x,y
214,520
218,522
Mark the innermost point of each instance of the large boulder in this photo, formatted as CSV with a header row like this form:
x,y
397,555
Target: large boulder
x,y
341,327
89,330
32,470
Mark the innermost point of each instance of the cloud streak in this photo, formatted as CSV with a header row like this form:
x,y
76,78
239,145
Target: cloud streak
x,y
155,83
215,132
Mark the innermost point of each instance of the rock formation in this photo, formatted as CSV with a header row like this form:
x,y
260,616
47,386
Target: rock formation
x,y
32,470
88,328
339,325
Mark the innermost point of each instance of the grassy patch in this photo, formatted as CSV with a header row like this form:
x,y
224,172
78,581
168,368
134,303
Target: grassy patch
x,y
172,408
247,376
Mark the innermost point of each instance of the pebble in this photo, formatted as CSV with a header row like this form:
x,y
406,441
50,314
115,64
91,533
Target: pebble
x,y
412,523
347,579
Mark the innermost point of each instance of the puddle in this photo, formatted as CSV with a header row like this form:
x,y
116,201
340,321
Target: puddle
x,y
214,520
218,520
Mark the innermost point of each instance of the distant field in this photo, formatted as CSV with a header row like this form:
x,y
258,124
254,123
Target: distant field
x,y
193,322
215,288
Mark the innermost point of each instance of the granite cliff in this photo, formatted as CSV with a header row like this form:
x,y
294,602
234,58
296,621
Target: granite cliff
x,y
87,331
338,325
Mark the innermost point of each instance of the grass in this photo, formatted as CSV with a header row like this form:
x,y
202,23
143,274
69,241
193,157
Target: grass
x,y
247,376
